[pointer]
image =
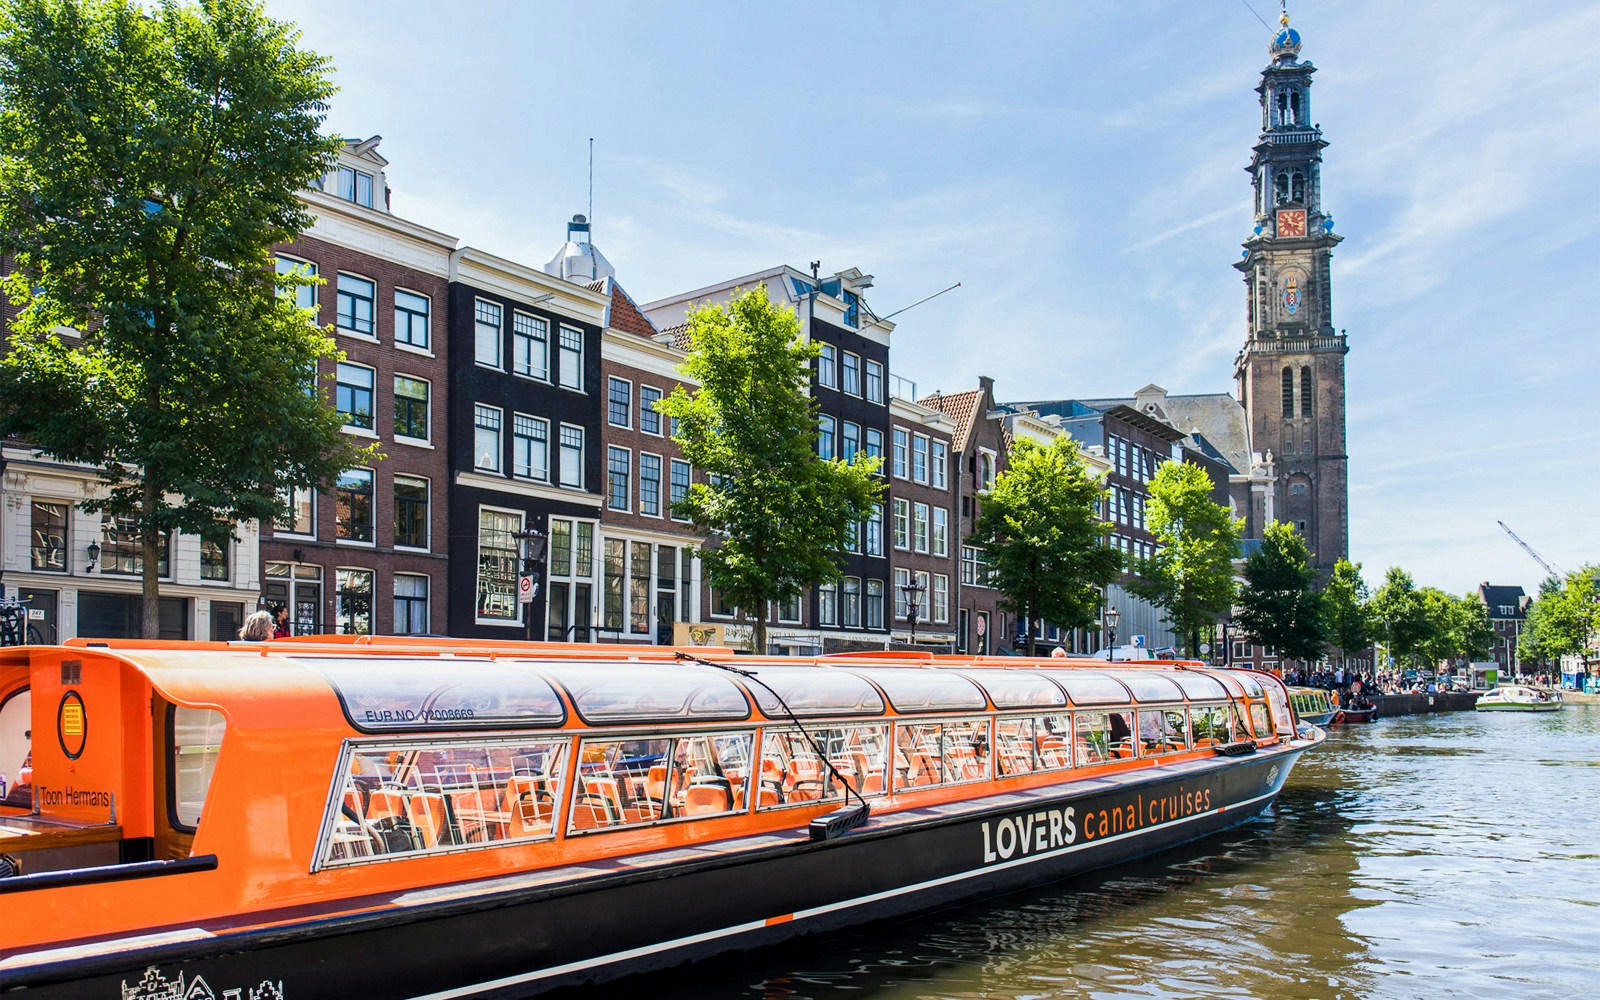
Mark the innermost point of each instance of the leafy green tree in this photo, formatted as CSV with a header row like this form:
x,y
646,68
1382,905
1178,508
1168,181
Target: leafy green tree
x,y
1043,538
1400,616
1345,610
149,161
780,516
1565,620
1533,641
1191,575
1278,604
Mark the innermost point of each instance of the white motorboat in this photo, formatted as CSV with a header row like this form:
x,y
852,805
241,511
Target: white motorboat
x,y
1520,698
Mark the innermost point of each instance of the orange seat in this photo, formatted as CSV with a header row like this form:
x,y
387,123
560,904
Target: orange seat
x,y
705,799
386,803
428,816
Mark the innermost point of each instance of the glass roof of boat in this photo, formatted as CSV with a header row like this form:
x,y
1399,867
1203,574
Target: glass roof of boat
x,y
913,689
813,691
1198,686
382,694
649,692
1017,688
1090,688
1148,685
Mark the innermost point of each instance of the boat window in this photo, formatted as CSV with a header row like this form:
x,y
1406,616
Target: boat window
x,y
1258,715
1242,729
811,691
1025,743
196,741
1104,735
1198,686
650,692
1248,681
1018,688
381,694
1162,731
632,782
1211,724
792,772
408,799
1278,701
936,753
1147,685
1085,688
913,689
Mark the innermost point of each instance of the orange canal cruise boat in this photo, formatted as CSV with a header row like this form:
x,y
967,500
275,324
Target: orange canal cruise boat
x,y
340,816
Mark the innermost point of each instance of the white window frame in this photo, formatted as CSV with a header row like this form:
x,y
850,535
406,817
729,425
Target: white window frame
x,y
426,347
339,293
660,418
480,332
427,410
845,371
427,501
661,500
516,438
477,567
372,391
612,384
827,365
939,531
874,383
613,450
569,376
530,334
561,455
919,449
307,290
902,524
480,411
689,478
920,521
427,601
938,464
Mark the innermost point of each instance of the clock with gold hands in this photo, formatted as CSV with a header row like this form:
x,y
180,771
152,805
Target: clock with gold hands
x,y
1292,222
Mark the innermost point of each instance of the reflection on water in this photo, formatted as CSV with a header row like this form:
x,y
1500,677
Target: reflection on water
x,y
1442,856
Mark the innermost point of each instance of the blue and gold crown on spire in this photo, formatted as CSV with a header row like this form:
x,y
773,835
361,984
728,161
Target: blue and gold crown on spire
x,y
1286,43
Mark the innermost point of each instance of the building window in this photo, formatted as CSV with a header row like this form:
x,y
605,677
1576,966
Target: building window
x,y
353,505
827,366
902,453
497,564
619,464
985,471
940,599
352,395
973,571
650,485
639,588
572,456
571,359
850,441
613,573
410,512
486,438
486,319
941,532
902,523
353,613
410,407
825,434
1288,391
789,609
902,580
874,605
411,319
873,530
852,373
305,296
649,416
214,558
48,550
410,604
1306,392
302,518
852,308
619,402
875,383
874,445
530,447
355,305
827,604
356,186
939,464
680,484
919,527
919,458
850,606
530,346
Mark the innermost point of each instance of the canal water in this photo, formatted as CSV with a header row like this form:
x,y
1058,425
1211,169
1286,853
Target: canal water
x,y
1452,855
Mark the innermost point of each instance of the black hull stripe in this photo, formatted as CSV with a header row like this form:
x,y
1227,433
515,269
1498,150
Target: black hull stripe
x,y
661,947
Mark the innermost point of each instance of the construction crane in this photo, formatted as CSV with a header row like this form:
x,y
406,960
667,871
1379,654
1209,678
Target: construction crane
x,y
1549,570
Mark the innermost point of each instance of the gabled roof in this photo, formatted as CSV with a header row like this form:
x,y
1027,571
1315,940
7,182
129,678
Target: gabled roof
x,y
962,408
1497,596
1218,418
625,314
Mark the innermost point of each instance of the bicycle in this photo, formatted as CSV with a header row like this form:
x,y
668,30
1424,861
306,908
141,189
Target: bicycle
x,y
14,629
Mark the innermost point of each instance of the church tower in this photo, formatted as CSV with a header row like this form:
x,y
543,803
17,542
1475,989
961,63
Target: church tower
x,y
1290,373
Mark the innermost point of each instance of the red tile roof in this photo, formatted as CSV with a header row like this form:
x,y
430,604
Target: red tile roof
x,y
625,315
961,408
680,336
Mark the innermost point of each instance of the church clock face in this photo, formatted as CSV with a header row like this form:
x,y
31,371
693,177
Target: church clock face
x,y
1292,222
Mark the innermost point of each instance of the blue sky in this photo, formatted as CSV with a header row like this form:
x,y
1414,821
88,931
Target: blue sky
x,y
1078,168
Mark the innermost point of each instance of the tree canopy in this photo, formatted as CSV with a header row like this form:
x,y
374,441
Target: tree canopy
x,y
1043,539
1191,575
1346,611
149,161
1565,618
1399,615
1278,604
779,515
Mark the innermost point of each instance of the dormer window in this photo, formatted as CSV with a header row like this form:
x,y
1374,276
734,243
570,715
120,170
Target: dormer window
x,y
852,308
356,186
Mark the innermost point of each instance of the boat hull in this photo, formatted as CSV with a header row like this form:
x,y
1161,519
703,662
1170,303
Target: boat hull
x,y
520,935
1507,706
1353,717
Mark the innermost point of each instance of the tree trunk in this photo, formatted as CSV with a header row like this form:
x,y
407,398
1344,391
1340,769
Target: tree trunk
x,y
760,642
1032,639
150,556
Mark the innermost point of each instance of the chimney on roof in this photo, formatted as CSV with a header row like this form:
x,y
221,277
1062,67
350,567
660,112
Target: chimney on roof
x,y
987,385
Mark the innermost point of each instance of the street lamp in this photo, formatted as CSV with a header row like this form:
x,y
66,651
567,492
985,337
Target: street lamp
x,y
93,552
533,543
913,592
1112,617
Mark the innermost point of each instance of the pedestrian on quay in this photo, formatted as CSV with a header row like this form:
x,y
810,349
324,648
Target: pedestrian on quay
x,y
257,628
280,622
1058,651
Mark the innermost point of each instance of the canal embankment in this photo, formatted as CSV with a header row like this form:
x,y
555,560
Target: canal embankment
x,y
1390,705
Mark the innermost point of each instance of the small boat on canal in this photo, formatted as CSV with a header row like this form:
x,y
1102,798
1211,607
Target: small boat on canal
x,y
1520,698
351,816
1312,705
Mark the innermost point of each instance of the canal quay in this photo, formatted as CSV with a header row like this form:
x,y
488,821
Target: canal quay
x,y
1434,855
